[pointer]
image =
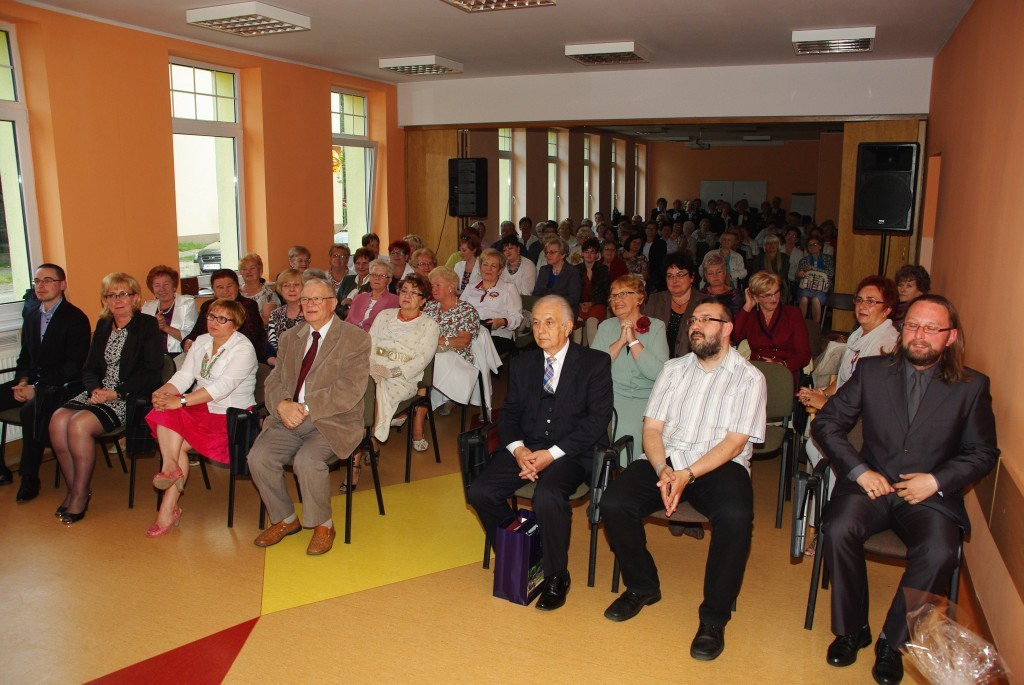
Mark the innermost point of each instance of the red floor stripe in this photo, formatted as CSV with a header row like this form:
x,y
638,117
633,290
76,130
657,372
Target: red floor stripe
x,y
203,662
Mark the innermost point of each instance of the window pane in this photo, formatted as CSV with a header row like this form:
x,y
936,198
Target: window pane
x,y
552,190
181,78
352,175
203,94
505,189
5,49
14,258
204,81
351,114
225,84
7,84
205,108
183,105
225,110
206,199
335,102
335,123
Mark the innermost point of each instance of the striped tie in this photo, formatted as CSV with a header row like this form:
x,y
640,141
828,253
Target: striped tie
x,y
549,376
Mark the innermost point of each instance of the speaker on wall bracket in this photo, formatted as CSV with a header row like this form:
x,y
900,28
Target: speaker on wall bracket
x,y
886,187
467,186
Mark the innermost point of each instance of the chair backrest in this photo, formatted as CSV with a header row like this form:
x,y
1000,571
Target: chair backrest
x,y
529,301
780,389
474,453
370,403
841,301
262,371
813,337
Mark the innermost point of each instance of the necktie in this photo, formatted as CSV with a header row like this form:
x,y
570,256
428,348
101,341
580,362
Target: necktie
x,y
549,376
307,362
914,400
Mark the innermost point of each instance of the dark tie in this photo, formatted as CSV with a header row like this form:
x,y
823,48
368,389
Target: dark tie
x,y
307,362
914,399
549,376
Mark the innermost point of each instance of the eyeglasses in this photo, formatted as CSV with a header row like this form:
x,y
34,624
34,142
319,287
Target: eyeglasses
x,y
869,301
411,291
116,296
677,275
337,255
552,252
46,281
621,294
930,329
397,253
769,296
373,275
315,300
702,320
219,319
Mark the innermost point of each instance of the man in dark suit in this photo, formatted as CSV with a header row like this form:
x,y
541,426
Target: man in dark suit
x,y
54,345
929,432
558,407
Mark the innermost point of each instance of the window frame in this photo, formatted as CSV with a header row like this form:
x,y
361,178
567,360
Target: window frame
x,y
362,141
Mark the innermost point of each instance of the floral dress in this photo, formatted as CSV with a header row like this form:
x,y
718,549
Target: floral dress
x,y
111,413
278,324
461,317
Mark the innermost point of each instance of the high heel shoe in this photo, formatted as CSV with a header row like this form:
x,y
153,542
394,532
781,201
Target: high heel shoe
x,y
61,510
344,488
162,481
67,518
156,531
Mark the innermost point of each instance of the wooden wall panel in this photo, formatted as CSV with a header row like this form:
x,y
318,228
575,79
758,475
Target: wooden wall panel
x,y
427,155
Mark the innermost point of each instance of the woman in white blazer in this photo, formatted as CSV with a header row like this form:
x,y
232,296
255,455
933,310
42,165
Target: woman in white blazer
x,y
175,314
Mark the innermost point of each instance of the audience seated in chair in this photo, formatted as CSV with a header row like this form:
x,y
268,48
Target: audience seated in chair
x,y
175,314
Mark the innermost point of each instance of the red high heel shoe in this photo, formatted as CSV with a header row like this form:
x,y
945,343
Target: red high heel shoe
x,y
162,481
156,531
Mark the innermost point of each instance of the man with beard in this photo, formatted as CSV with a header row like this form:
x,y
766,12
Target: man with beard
x,y
706,411
929,432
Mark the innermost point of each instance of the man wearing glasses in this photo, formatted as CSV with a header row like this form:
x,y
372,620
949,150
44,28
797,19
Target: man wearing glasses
x,y
315,399
929,432
54,345
706,410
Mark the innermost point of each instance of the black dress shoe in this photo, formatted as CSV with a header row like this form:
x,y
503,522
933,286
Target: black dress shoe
x,y
888,668
629,604
843,650
708,643
29,490
556,587
694,530
6,477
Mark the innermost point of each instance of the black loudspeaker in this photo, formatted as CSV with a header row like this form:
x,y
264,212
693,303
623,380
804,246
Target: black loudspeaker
x,y
467,186
886,181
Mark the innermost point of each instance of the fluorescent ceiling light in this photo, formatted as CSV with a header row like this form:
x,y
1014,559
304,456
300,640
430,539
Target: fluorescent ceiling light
x,y
757,138
829,41
487,5
596,54
421,65
248,19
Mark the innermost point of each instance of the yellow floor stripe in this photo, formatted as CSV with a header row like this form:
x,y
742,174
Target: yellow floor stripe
x,y
428,528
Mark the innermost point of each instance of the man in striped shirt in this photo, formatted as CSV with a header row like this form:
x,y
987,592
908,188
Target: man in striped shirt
x,y
706,411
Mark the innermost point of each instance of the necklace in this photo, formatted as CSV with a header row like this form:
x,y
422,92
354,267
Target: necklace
x,y
206,368
681,306
165,312
412,318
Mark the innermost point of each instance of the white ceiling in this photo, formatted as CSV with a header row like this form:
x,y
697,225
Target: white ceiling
x,y
351,35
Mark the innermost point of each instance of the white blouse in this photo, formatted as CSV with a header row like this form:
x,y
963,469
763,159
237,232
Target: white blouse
x,y
231,379
500,302
183,318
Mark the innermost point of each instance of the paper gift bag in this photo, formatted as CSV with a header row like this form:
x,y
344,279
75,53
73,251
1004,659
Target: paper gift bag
x,y
519,559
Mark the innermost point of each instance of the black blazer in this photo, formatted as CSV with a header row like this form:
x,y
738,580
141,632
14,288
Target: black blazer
x,y
600,282
581,410
953,436
659,306
142,359
656,265
59,357
567,284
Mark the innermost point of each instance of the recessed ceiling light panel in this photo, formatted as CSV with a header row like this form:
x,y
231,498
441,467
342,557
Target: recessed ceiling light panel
x,y
248,19
489,5
597,54
832,41
424,65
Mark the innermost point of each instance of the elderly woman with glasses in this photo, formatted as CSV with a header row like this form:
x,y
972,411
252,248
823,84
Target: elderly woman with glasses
x,y
175,314
190,410
367,305
775,332
557,276
255,287
126,358
496,301
288,315
399,251
338,271
638,348
675,305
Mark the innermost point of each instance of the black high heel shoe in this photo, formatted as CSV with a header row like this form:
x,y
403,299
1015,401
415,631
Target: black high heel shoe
x,y
67,518
61,510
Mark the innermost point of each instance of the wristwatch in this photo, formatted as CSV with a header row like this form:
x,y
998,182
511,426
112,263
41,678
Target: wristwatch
x,y
692,477
183,400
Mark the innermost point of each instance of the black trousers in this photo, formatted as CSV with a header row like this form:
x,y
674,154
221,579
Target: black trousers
x,y
32,449
725,496
931,538
490,492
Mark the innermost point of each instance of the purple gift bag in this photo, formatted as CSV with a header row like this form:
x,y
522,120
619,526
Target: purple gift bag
x,y
518,559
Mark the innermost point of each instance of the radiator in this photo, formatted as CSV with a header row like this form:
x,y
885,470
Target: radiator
x,y
10,348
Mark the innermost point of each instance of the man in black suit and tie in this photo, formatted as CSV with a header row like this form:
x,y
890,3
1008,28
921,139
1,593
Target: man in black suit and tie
x,y
558,407
54,345
929,432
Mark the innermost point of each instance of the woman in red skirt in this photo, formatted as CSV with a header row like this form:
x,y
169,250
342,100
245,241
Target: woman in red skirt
x,y
189,411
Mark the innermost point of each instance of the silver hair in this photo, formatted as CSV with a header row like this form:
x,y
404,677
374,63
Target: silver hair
x,y
563,304
382,263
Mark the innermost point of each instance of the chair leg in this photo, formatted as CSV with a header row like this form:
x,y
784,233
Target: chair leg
x,y
487,552
408,452
231,500
433,433
206,475
592,567
120,456
374,461
615,575
263,515
106,455
131,481
812,591
783,468
348,501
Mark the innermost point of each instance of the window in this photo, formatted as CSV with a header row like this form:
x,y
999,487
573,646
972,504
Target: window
x,y
553,174
505,209
615,175
19,226
587,199
640,178
353,158
207,169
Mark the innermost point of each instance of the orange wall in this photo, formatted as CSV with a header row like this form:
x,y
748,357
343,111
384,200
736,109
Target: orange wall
x,y
976,111
101,143
675,171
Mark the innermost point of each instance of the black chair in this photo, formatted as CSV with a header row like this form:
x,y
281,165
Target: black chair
x,y
52,397
813,337
139,439
410,406
836,301
885,544
780,436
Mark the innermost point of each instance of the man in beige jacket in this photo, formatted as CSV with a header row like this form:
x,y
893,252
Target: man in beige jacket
x,y
315,399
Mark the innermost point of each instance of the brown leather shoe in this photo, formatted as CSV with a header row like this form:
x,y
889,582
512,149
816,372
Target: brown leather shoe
x,y
323,540
276,533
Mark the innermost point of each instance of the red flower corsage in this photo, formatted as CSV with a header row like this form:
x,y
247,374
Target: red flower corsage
x,y
643,325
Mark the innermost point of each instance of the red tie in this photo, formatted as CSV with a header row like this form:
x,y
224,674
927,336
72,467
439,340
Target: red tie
x,y
307,362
